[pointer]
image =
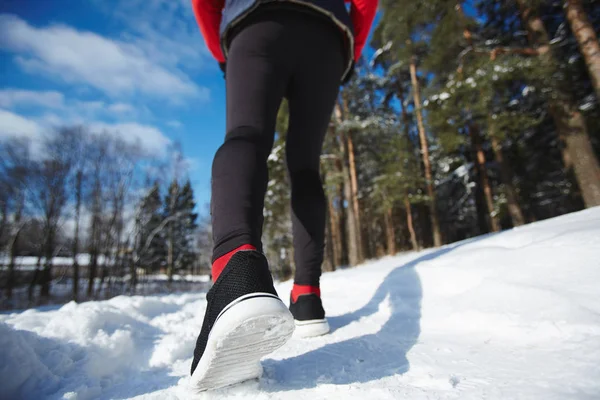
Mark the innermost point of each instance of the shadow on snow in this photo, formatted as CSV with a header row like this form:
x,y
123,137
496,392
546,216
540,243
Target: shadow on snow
x,y
369,357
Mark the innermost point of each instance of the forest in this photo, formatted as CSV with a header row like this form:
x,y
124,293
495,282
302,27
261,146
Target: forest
x,y
466,118
88,215
470,117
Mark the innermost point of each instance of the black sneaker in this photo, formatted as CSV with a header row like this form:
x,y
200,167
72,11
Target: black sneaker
x,y
244,320
309,316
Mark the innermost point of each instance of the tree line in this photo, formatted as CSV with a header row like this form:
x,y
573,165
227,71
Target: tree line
x,y
78,195
470,117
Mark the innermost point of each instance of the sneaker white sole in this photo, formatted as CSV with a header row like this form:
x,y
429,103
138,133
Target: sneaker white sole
x,y
311,328
246,330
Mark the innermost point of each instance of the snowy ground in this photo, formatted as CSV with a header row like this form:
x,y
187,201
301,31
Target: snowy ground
x,y
511,315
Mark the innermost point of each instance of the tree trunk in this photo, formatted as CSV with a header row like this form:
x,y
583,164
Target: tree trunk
x,y
435,225
103,274
47,271
355,205
409,224
342,114
170,260
587,40
172,210
585,164
342,217
94,237
4,217
334,236
329,265
483,177
34,279
390,231
512,198
407,205
14,245
78,195
92,270
570,124
10,281
352,238
133,276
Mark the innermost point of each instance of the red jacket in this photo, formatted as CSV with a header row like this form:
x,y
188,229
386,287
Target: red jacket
x,y
209,13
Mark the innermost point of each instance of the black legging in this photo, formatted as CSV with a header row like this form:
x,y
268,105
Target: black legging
x,y
278,53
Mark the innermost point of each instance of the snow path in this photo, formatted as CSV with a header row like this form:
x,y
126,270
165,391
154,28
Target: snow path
x,y
510,315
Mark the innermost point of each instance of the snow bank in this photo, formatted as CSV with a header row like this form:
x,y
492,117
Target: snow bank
x,y
509,315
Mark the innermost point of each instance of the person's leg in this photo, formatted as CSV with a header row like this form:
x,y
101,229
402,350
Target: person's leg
x,y
256,82
313,91
314,88
244,318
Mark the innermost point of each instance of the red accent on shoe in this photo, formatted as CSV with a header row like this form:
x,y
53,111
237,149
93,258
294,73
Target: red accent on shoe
x,y
221,262
299,290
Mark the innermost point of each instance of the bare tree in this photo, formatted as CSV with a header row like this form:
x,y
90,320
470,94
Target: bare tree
x,y
75,140
119,179
98,156
78,198
15,166
51,198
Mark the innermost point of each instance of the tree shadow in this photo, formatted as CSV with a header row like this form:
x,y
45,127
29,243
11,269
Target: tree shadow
x,y
369,357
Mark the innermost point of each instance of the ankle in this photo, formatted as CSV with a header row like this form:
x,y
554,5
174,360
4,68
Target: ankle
x,y
220,263
299,290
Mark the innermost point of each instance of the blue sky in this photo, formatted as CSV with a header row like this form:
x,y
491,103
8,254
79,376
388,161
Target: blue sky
x,y
137,67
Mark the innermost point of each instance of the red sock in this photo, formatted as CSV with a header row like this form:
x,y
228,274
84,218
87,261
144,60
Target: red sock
x,y
299,290
221,262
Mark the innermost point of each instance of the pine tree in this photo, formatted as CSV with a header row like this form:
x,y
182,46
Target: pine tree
x,y
180,223
532,151
401,31
331,170
186,251
400,182
471,66
347,168
580,155
150,247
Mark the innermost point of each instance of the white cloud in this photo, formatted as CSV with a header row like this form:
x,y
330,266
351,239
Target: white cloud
x,y
191,164
175,124
148,137
13,125
50,120
164,29
72,110
10,98
114,67
121,108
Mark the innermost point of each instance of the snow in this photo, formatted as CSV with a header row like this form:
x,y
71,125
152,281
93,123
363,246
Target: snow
x,y
31,262
442,96
508,315
185,278
527,90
